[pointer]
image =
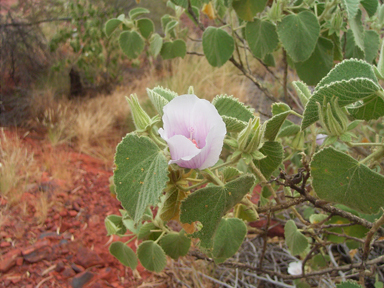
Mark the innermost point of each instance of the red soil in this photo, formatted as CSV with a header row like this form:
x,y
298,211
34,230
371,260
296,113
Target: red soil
x,y
70,249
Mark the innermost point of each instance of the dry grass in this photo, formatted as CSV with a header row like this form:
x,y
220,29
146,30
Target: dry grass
x,y
206,80
17,166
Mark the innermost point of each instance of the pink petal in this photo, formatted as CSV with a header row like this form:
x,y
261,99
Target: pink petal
x,y
181,148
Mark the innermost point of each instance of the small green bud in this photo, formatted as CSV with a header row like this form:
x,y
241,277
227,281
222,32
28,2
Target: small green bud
x,y
275,14
332,117
140,117
250,138
298,141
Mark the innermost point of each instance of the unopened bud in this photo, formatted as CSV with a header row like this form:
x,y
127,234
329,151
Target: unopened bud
x,y
275,14
140,117
250,138
298,141
333,118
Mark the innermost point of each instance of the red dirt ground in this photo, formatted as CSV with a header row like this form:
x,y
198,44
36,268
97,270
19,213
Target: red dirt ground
x,y
70,249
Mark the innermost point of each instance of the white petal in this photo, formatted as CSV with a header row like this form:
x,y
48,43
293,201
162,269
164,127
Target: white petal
x,y
182,150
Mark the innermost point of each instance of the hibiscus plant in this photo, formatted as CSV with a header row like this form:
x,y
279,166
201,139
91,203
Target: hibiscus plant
x,y
192,179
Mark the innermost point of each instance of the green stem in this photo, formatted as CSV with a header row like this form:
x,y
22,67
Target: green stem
x,y
213,177
161,236
364,144
261,177
130,240
379,153
297,114
156,139
186,189
194,180
230,162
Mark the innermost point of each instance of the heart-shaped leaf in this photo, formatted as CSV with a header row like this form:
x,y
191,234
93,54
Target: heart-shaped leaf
x,y
295,240
131,43
262,37
339,178
299,34
152,256
247,9
124,254
173,49
175,244
208,205
141,174
218,46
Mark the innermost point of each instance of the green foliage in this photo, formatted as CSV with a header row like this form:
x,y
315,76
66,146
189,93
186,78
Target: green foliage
x,y
262,37
228,238
151,256
295,240
218,46
339,178
274,152
124,254
299,34
175,245
140,175
208,205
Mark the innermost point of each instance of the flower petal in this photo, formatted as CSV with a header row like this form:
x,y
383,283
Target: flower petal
x,y
182,150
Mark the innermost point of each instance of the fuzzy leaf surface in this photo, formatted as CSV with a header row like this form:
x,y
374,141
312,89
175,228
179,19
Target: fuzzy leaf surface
x,y
295,240
218,46
152,256
141,174
339,178
208,205
275,154
124,254
262,37
299,34
228,238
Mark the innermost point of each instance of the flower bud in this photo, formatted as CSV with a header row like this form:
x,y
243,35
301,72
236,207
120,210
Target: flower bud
x,y
333,118
275,14
298,141
250,138
140,117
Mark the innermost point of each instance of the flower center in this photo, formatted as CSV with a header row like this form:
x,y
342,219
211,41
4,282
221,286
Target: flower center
x,y
191,130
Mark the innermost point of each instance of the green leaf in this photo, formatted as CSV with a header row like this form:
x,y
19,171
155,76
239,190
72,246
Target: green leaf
x,y
228,238
347,92
170,27
171,205
357,30
290,130
347,70
280,107
218,46
136,12
348,284
111,25
246,213
155,44
312,70
273,125
232,107
145,230
234,113
371,45
302,91
140,175
351,49
275,154
295,240
124,254
174,49
352,6
114,225
152,256
165,93
175,244
247,9
299,34
380,64
370,6
131,43
317,218
146,27
208,205
269,60
233,124
182,3
262,37
229,173
339,178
